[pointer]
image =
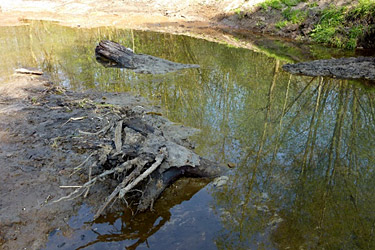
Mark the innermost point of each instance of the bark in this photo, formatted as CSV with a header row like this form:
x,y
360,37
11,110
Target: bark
x,y
112,54
343,68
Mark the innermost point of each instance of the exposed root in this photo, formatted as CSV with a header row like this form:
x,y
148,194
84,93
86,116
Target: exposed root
x,y
159,158
133,151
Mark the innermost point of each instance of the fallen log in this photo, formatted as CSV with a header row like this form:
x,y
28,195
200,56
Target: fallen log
x,y
111,54
343,68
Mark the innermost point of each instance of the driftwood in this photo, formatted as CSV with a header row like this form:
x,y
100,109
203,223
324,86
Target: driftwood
x,y
28,71
145,154
344,68
112,54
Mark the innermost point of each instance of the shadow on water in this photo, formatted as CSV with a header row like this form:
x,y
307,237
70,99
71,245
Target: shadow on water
x,y
303,146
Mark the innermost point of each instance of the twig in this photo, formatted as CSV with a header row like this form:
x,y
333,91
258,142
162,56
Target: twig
x,y
88,189
103,130
70,186
74,119
87,184
76,169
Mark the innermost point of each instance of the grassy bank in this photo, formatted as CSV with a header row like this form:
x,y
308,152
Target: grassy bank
x,y
344,24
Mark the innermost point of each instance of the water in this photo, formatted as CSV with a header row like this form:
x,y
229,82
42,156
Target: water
x,y
303,147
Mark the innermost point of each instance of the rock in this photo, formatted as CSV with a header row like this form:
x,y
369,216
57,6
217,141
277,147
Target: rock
x,y
220,181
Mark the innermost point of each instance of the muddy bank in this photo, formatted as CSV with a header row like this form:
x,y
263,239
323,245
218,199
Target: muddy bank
x,y
209,19
46,132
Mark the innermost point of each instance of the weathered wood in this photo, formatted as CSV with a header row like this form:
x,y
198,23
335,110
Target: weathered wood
x,y
115,52
344,68
144,154
112,54
161,180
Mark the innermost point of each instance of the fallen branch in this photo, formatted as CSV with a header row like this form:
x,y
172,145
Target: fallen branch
x,y
74,119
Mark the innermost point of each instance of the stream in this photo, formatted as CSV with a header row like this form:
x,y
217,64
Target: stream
x,y
303,147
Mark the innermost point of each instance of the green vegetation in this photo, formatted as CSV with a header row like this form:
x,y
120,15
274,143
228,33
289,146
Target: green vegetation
x,y
281,24
343,26
239,13
280,4
294,16
291,16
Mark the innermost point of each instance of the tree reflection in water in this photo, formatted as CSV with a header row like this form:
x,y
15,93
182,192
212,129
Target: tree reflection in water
x,y
308,180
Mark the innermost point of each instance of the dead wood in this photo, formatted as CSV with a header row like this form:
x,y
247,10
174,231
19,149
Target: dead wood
x,y
111,54
343,68
118,139
143,153
115,52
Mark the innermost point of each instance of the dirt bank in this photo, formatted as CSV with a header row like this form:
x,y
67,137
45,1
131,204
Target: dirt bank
x,y
349,24
46,131
345,23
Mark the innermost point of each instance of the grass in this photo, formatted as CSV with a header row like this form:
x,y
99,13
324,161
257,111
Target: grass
x,y
280,4
290,16
281,24
294,16
340,27
343,26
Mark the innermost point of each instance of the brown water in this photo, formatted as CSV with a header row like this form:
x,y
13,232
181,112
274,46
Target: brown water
x,y
303,147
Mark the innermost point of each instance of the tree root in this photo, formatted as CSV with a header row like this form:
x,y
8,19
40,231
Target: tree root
x,y
136,151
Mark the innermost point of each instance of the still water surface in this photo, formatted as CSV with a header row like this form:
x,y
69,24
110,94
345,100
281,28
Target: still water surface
x,y
303,147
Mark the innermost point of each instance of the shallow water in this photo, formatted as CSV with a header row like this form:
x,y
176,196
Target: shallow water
x,y
303,147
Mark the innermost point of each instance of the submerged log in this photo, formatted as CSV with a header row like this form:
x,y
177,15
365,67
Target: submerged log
x,y
343,68
112,54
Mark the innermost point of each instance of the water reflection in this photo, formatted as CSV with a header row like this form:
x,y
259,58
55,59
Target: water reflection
x,y
303,146
178,221
307,166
